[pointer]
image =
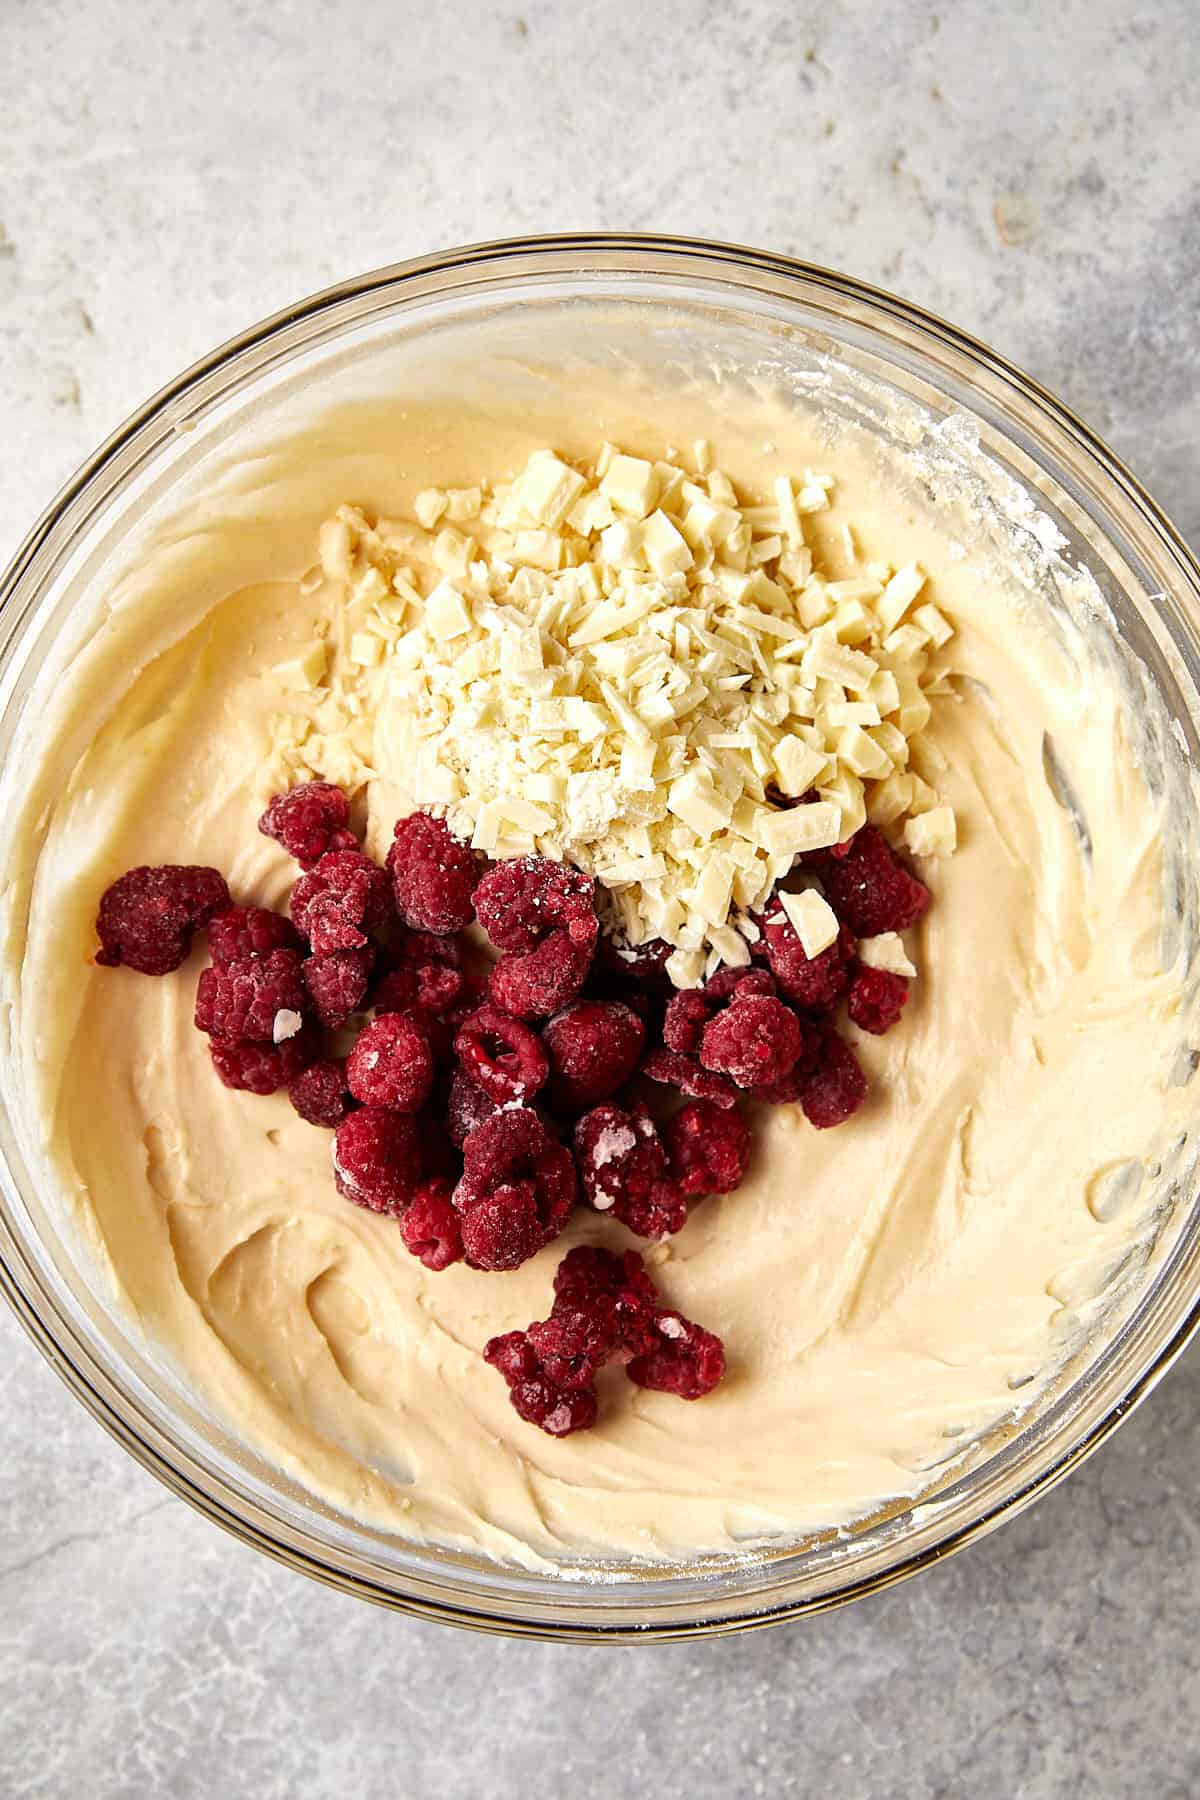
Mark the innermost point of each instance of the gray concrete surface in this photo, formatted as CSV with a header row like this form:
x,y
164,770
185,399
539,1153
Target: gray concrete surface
x,y
168,174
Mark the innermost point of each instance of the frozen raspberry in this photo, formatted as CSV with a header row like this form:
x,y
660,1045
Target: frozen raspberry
x,y
319,1093
520,902
877,998
754,1040
377,1159
249,931
539,982
558,1411
594,1047
687,1360
502,1056
309,821
670,1069
517,1190
242,999
147,917
337,983
688,1012
870,890
257,1068
572,1347
709,1149
835,1087
431,1228
339,901
466,1107
727,983
642,962
815,983
785,1092
433,875
615,1289
513,1355
623,1171
391,1064
425,976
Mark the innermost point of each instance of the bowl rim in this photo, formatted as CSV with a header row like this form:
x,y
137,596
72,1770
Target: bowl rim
x,y
733,261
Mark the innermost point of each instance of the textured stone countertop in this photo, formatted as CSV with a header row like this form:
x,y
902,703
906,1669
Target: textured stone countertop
x,y
172,173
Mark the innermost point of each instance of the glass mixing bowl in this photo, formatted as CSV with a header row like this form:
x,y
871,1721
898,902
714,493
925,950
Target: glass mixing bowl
x,y
750,304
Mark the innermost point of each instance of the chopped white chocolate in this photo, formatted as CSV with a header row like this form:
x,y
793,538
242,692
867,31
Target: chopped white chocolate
x,y
815,921
886,951
933,833
633,670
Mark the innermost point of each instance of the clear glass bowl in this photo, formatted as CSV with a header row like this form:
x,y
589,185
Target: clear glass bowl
x,y
719,294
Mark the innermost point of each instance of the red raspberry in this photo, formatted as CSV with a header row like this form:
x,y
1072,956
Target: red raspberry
x,y
391,1064
754,1040
870,889
337,983
814,983
513,1355
709,1149
377,1159
501,1056
689,1011
782,1093
520,902
594,1047
340,900
431,1228
877,998
319,1094
517,1190
835,1087
147,917
539,982
572,1347
433,875
309,821
588,1279
727,983
641,962
687,1360
249,931
243,999
466,1107
425,976
256,1068
558,1411
670,1069
623,1171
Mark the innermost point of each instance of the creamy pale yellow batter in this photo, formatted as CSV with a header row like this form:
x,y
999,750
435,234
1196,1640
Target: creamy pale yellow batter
x,y
882,1289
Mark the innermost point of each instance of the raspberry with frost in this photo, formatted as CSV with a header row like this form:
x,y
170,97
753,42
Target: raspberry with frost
x,y
876,999
377,1159
870,889
671,1069
835,1086
337,983
815,983
258,1068
431,1228
594,1047
250,931
502,1056
319,1093
709,1149
309,821
391,1064
433,875
687,1361
243,999
466,1107
343,898
622,1167
146,918
754,1040
522,901
536,983
517,1189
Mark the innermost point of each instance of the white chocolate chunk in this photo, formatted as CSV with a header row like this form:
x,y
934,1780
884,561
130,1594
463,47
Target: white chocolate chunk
x,y
886,951
815,921
933,833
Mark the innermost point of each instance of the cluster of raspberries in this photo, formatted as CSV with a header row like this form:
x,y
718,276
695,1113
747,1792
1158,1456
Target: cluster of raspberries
x,y
477,1109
